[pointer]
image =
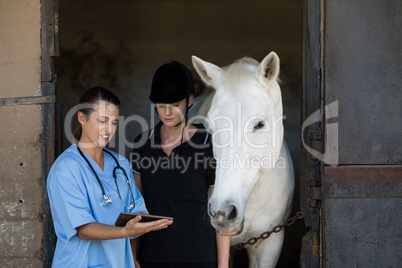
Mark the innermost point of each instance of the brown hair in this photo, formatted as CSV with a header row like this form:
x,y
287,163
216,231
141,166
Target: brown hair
x,y
93,96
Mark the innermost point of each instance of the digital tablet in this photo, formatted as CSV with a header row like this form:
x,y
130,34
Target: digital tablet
x,y
124,217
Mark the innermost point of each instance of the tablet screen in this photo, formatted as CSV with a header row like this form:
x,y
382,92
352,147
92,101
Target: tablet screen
x,y
124,217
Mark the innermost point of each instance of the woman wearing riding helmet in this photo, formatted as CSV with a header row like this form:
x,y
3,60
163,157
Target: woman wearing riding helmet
x,y
174,168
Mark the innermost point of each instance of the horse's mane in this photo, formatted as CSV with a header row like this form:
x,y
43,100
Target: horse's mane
x,y
238,73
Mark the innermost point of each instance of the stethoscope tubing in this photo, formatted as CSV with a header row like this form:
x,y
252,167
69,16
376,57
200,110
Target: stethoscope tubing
x,y
106,198
93,170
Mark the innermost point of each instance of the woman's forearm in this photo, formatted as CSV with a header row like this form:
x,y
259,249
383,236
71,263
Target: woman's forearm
x,y
223,245
99,231
133,228
134,246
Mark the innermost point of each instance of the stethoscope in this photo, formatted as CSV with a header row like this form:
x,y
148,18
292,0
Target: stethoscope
x,y
106,199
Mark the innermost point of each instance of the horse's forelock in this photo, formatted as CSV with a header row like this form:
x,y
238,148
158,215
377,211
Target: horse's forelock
x,y
238,73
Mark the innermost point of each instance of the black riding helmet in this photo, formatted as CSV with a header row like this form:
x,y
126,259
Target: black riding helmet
x,y
172,82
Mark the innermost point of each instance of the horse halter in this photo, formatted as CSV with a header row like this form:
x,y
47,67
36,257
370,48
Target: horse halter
x,y
106,199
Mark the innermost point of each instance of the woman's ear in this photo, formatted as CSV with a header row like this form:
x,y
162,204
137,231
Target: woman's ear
x,y
190,100
82,118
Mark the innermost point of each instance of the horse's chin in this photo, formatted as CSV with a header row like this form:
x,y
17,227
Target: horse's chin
x,y
235,231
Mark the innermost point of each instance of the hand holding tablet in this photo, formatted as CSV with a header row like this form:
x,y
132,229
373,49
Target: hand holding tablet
x,y
124,217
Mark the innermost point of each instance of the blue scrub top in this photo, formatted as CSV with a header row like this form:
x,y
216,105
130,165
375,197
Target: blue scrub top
x,y
75,199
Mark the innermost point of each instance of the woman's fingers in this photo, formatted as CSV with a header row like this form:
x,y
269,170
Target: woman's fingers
x,y
136,227
134,220
159,224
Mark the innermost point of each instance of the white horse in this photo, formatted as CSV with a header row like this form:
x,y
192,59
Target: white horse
x,y
254,175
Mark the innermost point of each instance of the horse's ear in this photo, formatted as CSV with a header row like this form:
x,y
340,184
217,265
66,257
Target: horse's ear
x,y
209,73
268,70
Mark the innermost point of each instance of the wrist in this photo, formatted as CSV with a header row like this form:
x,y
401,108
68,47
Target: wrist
x,y
223,264
123,232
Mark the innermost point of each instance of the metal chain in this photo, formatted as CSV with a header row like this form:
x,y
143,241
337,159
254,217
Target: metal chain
x,y
265,235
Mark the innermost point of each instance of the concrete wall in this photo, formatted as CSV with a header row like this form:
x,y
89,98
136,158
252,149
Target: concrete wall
x,y
119,44
21,180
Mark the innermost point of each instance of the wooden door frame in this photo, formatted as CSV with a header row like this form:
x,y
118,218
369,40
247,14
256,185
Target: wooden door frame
x,y
312,101
50,116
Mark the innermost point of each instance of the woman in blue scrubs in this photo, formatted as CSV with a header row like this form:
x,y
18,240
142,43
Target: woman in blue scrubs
x,y
87,192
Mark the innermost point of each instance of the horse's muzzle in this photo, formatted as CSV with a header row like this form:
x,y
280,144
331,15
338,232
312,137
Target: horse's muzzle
x,y
235,231
227,213
225,219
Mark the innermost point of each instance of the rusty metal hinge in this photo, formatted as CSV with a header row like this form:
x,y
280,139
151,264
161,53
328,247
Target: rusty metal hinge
x,y
314,192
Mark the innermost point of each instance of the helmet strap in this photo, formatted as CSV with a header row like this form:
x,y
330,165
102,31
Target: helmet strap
x,y
185,119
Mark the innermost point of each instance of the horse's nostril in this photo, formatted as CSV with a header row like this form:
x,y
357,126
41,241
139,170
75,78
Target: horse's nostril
x,y
233,213
210,212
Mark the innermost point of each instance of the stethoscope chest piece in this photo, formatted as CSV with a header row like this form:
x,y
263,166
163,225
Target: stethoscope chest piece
x,y
106,200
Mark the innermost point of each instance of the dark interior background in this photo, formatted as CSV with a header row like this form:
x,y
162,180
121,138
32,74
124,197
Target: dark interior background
x,y
119,44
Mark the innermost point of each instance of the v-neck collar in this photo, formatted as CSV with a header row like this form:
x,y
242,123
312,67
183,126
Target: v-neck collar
x,y
198,138
94,164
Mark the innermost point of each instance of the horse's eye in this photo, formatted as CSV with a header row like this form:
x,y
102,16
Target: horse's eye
x,y
259,125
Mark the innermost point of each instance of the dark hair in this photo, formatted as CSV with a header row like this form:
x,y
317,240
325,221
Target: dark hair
x,y
93,96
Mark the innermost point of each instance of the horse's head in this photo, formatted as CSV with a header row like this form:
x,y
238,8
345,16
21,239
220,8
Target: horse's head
x,y
245,118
